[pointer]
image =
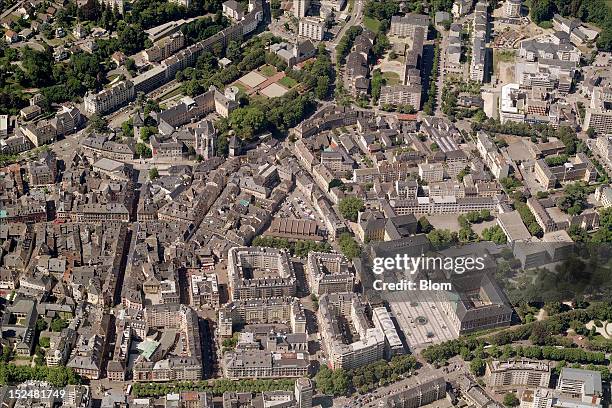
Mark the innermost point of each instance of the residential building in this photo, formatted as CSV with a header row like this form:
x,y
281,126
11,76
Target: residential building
x,y
329,273
517,373
405,26
371,344
311,27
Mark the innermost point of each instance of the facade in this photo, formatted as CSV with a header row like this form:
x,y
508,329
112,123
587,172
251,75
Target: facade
x,y
260,273
110,99
329,273
405,26
518,373
311,27
599,113
371,344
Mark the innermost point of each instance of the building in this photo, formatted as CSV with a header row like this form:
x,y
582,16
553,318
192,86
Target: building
x,y
599,113
260,273
579,383
579,168
393,343
425,392
110,99
368,349
518,373
311,27
262,311
603,194
300,8
329,273
431,172
400,95
165,47
44,170
234,10
512,8
497,163
476,303
303,390
405,26
264,364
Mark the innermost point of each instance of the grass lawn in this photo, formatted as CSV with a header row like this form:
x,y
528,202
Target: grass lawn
x,y
170,94
267,70
287,82
501,56
240,86
371,24
392,78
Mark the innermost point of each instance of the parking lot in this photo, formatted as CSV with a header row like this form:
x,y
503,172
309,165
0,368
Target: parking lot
x,y
296,206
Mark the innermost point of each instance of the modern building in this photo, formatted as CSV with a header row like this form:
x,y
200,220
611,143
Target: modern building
x,y
512,8
517,373
311,27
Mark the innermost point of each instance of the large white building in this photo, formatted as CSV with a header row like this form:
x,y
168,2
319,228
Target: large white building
x,y
312,27
523,373
599,113
499,166
109,99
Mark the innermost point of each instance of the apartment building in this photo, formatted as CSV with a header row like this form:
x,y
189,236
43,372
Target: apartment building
x,y
599,113
517,373
371,344
311,27
329,273
260,273
405,26
110,99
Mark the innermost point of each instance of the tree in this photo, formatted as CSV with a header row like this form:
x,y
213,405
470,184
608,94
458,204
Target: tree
x,y
41,324
541,10
153,173
510,400
323,88
350,207
98,123
58,324
349,246
441,239
424,225
477,367
143,151
247,122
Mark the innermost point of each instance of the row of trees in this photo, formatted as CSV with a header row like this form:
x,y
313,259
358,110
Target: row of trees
x,y
57,376
430,104
214,387
364,379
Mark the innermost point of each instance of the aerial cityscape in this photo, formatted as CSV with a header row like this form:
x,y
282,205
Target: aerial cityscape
x,y
305,203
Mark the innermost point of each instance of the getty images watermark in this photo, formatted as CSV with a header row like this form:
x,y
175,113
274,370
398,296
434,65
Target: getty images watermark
x,y
411,265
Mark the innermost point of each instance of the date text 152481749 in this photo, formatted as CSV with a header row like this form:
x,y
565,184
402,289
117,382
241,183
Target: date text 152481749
x,y
36,393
